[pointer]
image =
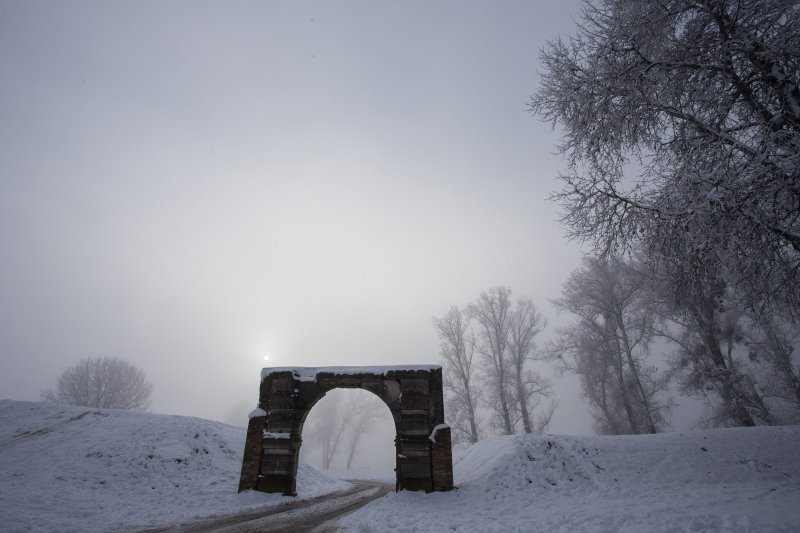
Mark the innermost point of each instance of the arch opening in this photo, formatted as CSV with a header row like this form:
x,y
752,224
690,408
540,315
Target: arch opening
x,y
413,395
350,434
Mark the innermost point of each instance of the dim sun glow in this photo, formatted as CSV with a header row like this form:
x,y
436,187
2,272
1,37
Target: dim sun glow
x,y
266,358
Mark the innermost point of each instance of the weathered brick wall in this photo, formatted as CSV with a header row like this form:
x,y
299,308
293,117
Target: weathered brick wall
x,y
442,460
414,397
251,460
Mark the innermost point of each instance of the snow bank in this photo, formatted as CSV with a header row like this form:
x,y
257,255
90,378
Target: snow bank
x,y
743,479
66,468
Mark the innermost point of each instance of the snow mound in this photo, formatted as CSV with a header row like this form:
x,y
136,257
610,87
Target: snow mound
x,y
739,479
528,463
70,468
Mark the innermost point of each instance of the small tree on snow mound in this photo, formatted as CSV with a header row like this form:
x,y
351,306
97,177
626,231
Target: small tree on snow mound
x,y
105,382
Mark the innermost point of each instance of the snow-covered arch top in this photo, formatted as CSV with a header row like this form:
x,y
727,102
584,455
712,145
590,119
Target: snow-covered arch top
x,y
413,394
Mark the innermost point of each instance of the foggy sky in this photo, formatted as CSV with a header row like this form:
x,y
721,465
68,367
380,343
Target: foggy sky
x,y
192,186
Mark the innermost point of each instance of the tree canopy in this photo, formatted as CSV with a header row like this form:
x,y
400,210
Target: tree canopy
x,y
104,382
681,129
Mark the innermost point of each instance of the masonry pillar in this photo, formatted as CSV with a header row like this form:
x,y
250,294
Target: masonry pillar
x,y
441,459
251,461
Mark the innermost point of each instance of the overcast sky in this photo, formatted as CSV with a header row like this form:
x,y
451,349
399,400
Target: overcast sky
x,y
193,186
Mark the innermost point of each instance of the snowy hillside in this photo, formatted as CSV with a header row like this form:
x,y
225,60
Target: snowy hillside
x,y
744,479
65,468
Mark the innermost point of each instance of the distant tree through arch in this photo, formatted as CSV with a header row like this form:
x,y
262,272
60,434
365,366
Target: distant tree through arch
x,y
339,429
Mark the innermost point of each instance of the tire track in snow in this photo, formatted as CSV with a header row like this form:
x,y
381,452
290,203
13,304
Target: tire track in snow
x,y
317,514
28,435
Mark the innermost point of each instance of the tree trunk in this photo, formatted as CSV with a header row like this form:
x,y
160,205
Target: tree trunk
x,y
616,352
731,396
783,358
351,454
651,426
507,426
473,427
523,404
612,421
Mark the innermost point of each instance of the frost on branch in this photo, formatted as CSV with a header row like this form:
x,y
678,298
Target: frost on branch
x,y
681,130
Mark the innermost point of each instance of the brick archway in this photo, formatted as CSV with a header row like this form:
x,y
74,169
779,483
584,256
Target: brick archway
x,y
412,393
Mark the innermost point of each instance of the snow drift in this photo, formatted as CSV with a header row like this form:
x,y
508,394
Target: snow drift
x,y
742,479
66,468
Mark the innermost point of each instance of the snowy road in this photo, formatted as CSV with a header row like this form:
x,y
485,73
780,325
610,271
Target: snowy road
x,y
317,514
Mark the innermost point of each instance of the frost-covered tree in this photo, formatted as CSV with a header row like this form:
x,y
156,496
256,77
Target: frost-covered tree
x,y
530,388
706,325
324,430
513,392
772,347
362,410
103,382
681,129
608,346
501,379
462,387
492,315
582,349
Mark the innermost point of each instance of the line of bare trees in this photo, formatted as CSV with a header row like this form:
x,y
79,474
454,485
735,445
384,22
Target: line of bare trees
x,y
632,342
488,352
631,337
680,127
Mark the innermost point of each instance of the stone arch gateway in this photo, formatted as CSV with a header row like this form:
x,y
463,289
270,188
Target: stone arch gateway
x,y
413,394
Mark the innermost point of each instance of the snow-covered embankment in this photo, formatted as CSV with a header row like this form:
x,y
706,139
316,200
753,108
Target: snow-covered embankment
x,y
66,468
743,479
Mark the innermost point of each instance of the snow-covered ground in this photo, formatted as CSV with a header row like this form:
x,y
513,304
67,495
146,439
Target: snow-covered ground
x,y
65,468
743,479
